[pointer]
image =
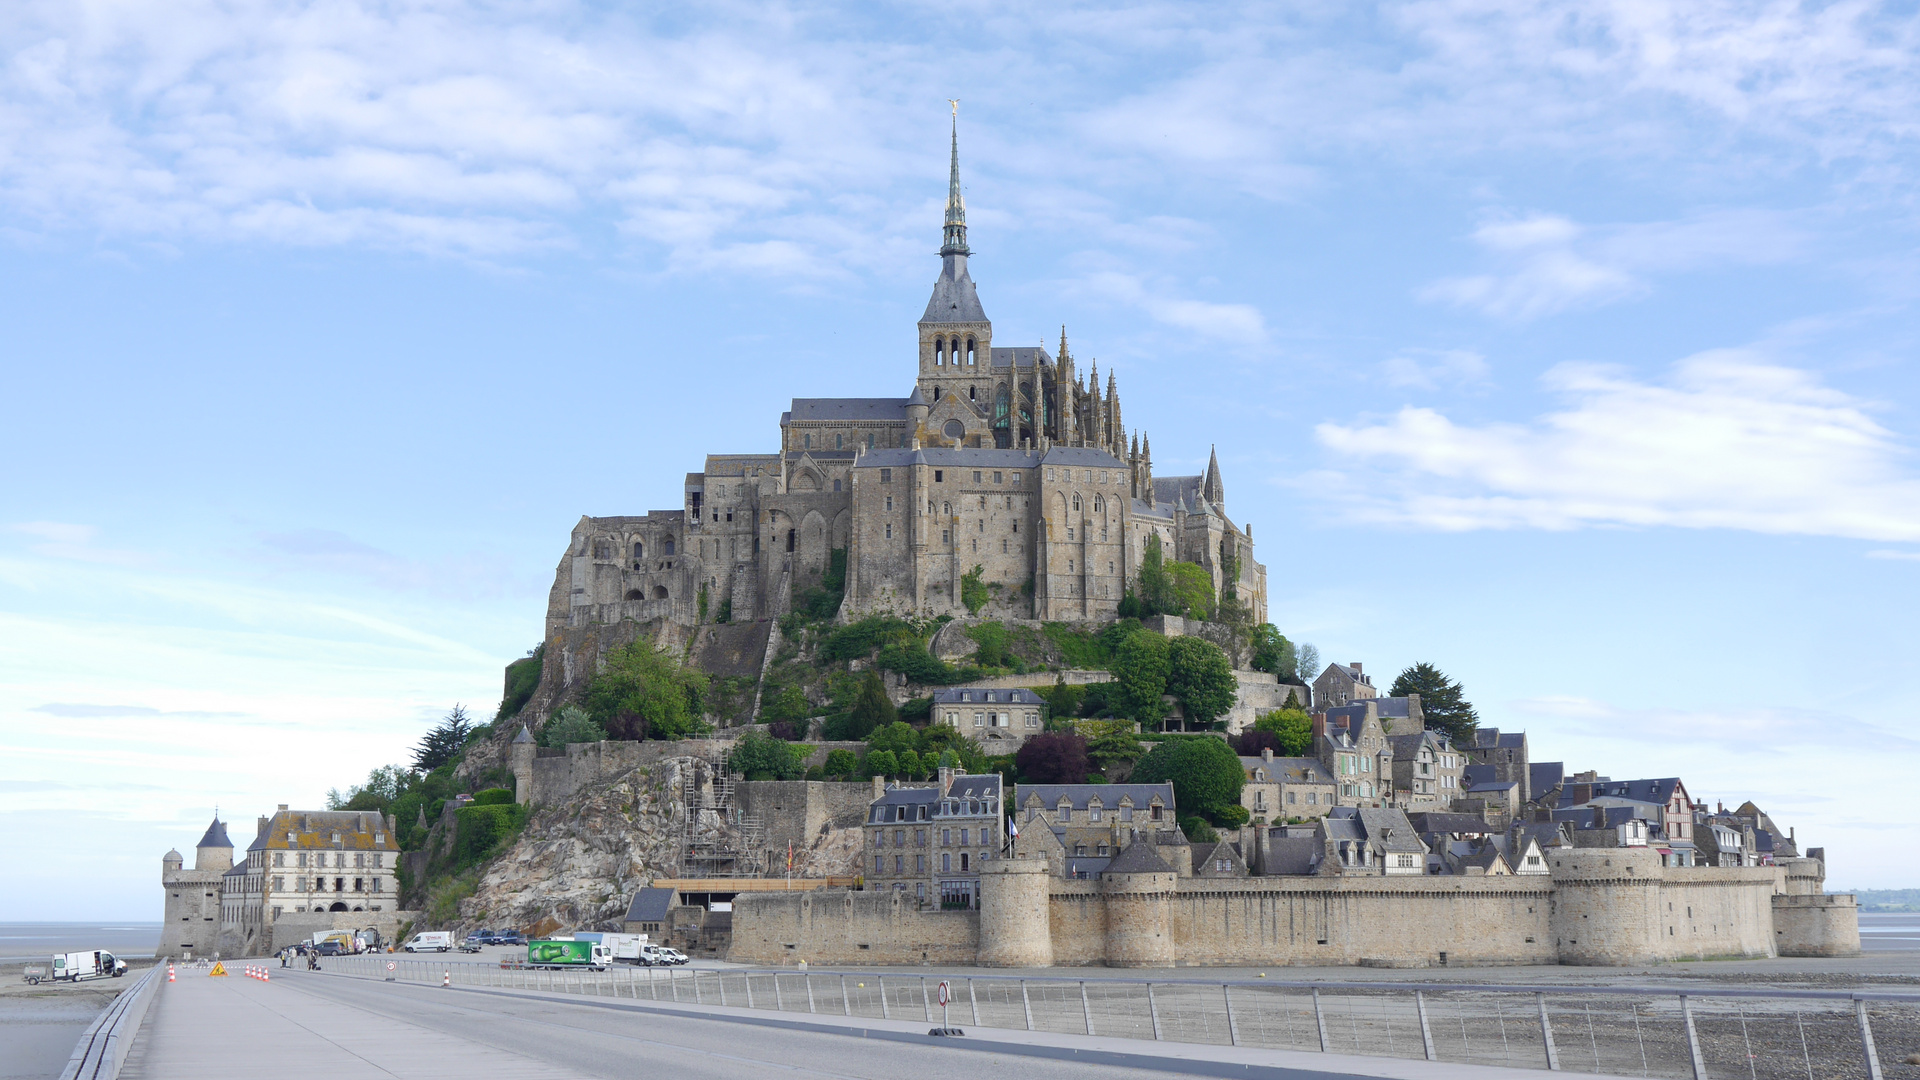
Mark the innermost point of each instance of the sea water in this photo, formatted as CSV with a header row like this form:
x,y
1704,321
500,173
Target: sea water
x,y
31,942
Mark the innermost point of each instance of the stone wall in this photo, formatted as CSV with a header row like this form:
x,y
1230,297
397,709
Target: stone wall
x,y
550,776
295,927
1816,925
844,926
801,811
1257,692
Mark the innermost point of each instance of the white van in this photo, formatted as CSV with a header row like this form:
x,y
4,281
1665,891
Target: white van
x,y
75,966
430,941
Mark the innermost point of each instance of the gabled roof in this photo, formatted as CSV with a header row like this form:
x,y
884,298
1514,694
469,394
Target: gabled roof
x,y
1385,707
1020,357
651,905
977,786
1180,491
1292,854
1657,791
1289,770
848,408
1544,776
1494,739
1081,455
1139,858
1436,822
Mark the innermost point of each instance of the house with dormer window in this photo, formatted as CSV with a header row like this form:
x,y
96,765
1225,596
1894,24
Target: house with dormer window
x,y
1077,827
1000,719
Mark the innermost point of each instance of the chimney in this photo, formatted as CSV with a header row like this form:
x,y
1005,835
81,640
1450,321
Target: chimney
x,y
1319,730
879,786
946,778
1355,666
283,808
261,828
1266,753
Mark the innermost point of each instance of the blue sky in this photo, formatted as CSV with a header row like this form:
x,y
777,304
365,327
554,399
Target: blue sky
x,y
1568,346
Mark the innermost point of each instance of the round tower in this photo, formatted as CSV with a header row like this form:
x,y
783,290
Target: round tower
x,y
1015,927
170,863
1605,908
215,851
1139,918
520,756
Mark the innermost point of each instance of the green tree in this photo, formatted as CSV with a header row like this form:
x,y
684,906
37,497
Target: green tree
x,y
1442,700
1228,608
1063,701
571,724
1192,593
1205,773
1293,727
384,786
1110,741
1201,678
909,764
896,737
872,710
646,693
1156,586
442,744
1308,663
1140,667
841,763
760,756
788,703
1273,653
993,640
973,591
882,763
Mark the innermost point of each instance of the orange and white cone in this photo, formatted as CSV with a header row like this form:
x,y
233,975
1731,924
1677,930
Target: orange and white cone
x,y
169,972
446,980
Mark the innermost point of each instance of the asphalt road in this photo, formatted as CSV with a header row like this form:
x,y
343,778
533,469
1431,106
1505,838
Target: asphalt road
x,y
603,1042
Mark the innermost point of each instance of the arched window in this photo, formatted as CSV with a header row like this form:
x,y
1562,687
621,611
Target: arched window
x,y
939,352
669,547
639,550
659,592
636,594
972,356
1076,504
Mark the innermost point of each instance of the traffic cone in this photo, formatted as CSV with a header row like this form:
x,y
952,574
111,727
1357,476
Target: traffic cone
x,y
446,980
169,972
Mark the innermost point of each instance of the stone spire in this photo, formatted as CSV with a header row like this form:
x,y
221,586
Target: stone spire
x,y
1133,466
953,238
1146,467
1064,386
1117,433
1211,488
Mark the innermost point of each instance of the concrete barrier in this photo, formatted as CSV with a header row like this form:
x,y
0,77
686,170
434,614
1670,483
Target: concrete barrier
x,y
102,1050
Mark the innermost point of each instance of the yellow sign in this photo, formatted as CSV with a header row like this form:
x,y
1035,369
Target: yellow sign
x,y
218,969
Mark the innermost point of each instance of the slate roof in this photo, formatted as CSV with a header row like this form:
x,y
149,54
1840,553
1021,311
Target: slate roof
x,y
1020,357
1492,786
1086,866
650,905
216,836
1544,776
1110,795
1205,854
951,457
1598,817
911,804
1181,491
1387,829
1495,739
977,695
1407,746
1158,511
525,735
1384,707
1655,791
1478,774
954,298
1436,822
1139,858
1289,770
848,408
1082,455
1292,854
978,786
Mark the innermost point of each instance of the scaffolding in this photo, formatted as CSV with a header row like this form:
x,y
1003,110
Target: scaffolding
x,y
720,840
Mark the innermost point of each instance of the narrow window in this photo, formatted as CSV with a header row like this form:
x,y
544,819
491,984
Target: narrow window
x,y
889,502
889,532
939,476
976,478
836,440
886,476
996,477
809,440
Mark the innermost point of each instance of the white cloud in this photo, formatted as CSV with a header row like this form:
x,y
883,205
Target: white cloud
x,y
1428,369
1726,440
1234,324
1885,554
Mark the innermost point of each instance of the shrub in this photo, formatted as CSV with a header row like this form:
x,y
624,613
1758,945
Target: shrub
x,y
479,831
872,709
1054,757
494,796
993,640
917,710
759,756
1198,831
840,763
973,591
523,678
1291,729
1193,594
787,702
571,725
881,763
645,692
1231,816
787,730
1080,648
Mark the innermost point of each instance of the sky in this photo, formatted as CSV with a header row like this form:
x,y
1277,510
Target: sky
x,y
1568,346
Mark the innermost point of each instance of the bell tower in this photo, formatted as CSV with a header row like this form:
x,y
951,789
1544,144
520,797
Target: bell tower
x,y
955,337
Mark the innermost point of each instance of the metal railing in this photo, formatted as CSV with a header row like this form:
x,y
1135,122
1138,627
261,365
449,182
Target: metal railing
x,y
1705,1033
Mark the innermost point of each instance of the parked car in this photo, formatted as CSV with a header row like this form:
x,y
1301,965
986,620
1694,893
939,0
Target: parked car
x,y
511,937
330,948
674,956
472,943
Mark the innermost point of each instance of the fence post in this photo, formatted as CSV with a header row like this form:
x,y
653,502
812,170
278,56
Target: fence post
x,y
779,1003
721,978
1426,1033
749,977
697,998
653,983
1153,1009
673,982
1233,1029
973,1002
926,1010
1319,1019
1866,1040
1086,1011
807,977
1693,1040
885,1012
1026,1003
846,1003
1546,1032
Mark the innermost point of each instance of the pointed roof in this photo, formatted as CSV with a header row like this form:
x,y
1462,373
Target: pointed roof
x,y
918,397
1211,488
954,234
525,736
216,836
1139,858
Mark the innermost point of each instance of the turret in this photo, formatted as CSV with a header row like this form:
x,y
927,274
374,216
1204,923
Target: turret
x,y
1146,469
171,861
522,752
1064,387
215,851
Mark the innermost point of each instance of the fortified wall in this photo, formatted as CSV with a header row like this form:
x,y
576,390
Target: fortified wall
x,y
1597,906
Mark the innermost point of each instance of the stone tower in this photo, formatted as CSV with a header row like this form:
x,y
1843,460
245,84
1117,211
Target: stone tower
x,y
1016,928
191,923
955,336
520,759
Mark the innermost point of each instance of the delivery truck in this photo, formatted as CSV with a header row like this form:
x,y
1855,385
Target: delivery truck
x,y
75,966
567,953
431,941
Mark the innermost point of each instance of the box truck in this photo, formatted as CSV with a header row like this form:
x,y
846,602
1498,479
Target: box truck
x,y
567,953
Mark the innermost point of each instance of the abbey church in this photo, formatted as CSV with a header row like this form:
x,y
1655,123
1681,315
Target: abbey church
x,y
1003,462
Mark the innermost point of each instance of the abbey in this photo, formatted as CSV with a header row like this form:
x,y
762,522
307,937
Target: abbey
x,y
1000,459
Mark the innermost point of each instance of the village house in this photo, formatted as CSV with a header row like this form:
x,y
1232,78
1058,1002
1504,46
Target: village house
x,y
1427,771
1079,828
1353,746
1285,788
1001,720
1342,683
931,841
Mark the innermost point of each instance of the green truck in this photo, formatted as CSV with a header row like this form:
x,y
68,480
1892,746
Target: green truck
x,y
568,953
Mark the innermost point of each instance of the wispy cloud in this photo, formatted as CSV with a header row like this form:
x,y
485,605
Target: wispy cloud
x,y
82,711
1429,369
1233,324
1726,440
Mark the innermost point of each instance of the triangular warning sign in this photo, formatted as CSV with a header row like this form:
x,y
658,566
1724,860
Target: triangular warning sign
x,y
218,969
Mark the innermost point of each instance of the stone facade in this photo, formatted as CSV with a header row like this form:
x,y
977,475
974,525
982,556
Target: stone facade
x,y
193,899
1002,462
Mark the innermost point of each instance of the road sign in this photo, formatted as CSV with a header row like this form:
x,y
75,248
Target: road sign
x,y
944,994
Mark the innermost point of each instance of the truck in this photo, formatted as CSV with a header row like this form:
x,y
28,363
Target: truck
x,y
430,941
346,939
623,948
567,953
75,966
